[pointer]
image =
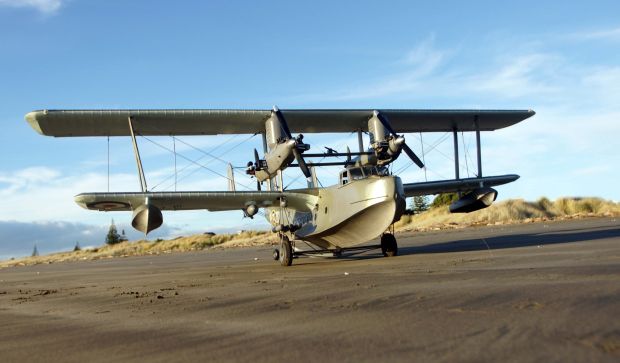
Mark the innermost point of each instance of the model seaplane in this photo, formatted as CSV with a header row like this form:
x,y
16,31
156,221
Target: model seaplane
x,y
364,203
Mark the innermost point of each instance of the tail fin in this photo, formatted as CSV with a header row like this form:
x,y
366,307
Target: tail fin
x,y
313,182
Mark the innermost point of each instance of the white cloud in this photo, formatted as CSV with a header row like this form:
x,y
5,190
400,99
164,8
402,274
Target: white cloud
x,y
612,34
514,77
43,6
562,151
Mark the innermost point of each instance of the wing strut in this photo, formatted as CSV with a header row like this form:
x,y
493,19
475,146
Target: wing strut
x,y
360,140
478,149
137,153
456,153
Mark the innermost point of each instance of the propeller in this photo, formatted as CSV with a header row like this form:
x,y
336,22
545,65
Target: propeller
x,y
252,167
256,159
404,146
299,144
348,157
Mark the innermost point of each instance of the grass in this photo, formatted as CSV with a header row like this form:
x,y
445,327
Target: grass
x,y
511,211
142,247
506,212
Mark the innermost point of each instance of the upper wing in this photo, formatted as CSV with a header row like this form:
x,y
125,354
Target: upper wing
x,y
211,122
303,200
456,185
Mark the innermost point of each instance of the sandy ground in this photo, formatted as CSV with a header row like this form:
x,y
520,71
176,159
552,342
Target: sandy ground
x,y
539,292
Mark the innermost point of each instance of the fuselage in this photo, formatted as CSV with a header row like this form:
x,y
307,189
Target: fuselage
x,y
352,212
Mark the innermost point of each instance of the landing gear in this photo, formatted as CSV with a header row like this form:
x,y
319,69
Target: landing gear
x,y
286,251
389,247
276,254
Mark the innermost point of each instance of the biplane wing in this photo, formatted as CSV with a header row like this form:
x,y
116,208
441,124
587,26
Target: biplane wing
x,y
456,185
302,200
62,123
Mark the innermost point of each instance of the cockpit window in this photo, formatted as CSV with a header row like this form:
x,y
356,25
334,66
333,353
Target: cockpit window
x,y
344,178
356,173
376,170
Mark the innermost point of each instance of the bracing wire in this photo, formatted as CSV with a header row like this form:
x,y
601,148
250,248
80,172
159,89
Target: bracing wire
x,y
465,152
174,148
205,154
423,157
189,165
431,148
196,161
192,161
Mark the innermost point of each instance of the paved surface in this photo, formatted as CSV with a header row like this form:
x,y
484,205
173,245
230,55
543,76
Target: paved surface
x,y
537,292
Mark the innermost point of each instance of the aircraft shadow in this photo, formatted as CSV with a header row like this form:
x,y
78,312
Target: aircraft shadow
x,y
499,242
512,241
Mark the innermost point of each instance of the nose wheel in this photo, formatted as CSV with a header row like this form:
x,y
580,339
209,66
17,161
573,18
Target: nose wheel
x,y
285,253
389,247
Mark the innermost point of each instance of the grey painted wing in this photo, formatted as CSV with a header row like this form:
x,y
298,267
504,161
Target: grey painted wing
x,y
302,200
456,185
61,123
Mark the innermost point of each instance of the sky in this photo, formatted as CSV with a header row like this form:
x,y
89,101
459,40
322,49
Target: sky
x,y
561,59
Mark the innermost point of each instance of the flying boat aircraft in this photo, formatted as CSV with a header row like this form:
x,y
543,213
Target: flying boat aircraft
x,y
365,202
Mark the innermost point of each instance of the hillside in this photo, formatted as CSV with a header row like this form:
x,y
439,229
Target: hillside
x,y
506,212
510,211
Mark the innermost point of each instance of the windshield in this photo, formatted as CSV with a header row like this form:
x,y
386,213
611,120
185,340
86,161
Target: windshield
x,y
356,173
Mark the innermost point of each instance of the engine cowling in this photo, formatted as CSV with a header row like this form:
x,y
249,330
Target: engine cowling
x,y
146,218
475,200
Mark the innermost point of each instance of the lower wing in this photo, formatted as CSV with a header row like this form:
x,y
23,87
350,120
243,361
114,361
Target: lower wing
x,y
303,200
456,185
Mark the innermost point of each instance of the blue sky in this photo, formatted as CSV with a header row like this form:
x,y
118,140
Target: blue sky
x,y
561,59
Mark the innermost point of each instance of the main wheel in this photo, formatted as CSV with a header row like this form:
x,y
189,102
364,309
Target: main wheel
x,y
286,252
276,254
389,247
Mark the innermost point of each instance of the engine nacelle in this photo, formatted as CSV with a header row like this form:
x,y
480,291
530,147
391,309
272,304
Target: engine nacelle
x,y
475,200
250,210
146,218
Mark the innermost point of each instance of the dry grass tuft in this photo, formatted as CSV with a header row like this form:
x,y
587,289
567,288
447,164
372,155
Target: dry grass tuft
x,y
511,211
142,247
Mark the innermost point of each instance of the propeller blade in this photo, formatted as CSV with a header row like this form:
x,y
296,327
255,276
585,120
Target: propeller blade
x,y
256,159
285,128
413,156
348,157
405,147
302,163
385,123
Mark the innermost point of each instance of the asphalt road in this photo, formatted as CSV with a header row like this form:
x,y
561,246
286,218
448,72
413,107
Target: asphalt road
x,y
537,292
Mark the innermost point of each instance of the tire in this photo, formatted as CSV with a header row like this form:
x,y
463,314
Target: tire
x,y
389,247
286,252
276,254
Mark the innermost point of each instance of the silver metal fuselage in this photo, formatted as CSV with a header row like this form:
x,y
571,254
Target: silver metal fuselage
x,y
346,215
